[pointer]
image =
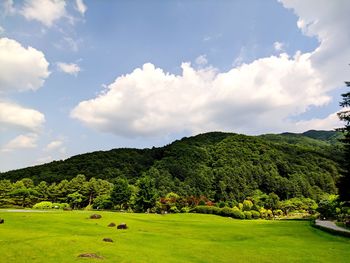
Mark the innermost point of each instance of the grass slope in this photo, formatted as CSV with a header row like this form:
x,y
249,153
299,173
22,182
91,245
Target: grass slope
x,y
62,236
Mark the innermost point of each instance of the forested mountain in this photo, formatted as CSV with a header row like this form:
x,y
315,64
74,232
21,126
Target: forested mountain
x,y
220,166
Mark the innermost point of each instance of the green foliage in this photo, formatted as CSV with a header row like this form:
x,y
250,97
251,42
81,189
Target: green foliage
x,y
75,199
146,195
43,205
102,202
247,205
327,207
220,166
121,193
248,214
344,182
255,214
50,205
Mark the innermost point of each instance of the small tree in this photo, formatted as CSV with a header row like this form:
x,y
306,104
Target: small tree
x,y
344,182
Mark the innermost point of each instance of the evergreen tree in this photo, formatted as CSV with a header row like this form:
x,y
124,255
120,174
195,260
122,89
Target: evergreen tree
x,y
344,183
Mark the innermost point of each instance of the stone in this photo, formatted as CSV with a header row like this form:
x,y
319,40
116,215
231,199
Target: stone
x,y
122,226
95,216
107,239
112,224
89,255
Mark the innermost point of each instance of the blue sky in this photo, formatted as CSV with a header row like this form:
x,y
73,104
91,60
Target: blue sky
x,y
78,76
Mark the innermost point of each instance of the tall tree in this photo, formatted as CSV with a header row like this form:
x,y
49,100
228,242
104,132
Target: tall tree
x,y
146,195
344,182
121,193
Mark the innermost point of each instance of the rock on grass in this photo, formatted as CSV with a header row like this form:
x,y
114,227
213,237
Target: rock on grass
x,y
90,255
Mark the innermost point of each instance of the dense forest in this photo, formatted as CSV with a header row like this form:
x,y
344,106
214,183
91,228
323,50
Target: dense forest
x,y
218,166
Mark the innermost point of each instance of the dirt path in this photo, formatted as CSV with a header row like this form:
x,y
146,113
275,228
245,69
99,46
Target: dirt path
x,y
331,225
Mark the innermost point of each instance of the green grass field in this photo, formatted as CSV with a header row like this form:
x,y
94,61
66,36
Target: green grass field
x,y
62,236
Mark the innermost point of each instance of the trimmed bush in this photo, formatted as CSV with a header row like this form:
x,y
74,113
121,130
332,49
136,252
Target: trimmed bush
x,y
248,214
255,214
43,205
247,205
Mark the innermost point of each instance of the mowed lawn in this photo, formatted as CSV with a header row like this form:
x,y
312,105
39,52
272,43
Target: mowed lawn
x,y
62,236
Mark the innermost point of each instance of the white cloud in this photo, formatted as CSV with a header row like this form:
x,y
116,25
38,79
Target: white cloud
x,y
80,6
44,11
69,68
21,142
250,98
54,145
16,116
265,95
21,68
2,30
329,21
329,123
202,60
278,46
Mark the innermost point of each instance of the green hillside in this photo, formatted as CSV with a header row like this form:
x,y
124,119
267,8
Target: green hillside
x,y
220,166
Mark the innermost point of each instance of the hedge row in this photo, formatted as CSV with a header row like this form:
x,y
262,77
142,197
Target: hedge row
x,y
227,211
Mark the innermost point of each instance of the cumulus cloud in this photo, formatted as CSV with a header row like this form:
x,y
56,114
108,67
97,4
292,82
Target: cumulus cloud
x,y
265,95
21,68
2,30
21,142
16,116
80,6
248,98
44,11
329,22
69,68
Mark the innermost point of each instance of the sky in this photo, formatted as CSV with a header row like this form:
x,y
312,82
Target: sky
x,y
79,76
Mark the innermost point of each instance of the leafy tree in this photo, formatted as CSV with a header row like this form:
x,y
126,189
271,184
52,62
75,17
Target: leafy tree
x,y
121,193
146,195
344,182
75,199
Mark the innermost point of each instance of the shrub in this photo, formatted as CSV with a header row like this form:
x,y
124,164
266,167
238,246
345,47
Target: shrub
x,y
247,205
255,214
226,211
201,203
278,212
222,204
43,205
269,214
263,213
174,209
238,214
185,209
248,214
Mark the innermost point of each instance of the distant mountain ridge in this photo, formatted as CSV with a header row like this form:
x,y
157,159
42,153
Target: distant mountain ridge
x,y
217,164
